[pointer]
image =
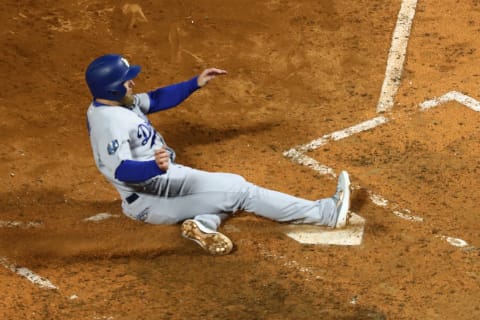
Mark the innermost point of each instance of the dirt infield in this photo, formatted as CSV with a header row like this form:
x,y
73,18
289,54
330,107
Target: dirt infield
x,y
298,70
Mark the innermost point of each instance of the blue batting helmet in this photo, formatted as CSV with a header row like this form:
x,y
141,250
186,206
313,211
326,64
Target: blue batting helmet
x,y
106,75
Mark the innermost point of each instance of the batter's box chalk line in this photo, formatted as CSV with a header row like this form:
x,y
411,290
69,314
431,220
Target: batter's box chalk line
x,y
298,155
28,274
20,224
459,97
101,216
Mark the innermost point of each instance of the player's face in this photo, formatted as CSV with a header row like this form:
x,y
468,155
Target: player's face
x,y
128,99
129,84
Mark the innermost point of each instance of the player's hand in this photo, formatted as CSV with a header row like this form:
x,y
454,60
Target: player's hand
x,y
209,74
162,158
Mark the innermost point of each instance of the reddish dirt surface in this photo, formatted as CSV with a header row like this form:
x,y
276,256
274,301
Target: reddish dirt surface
x,y
297,71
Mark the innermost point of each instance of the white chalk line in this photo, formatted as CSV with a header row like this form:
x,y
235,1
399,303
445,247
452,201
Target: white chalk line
x,y
20,224
396,56
459,97
297,154
101,216
340,134
307,161
28,274
24,272
393,207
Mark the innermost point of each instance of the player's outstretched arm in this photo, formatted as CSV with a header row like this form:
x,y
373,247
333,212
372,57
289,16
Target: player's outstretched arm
x,y
209,74
170,96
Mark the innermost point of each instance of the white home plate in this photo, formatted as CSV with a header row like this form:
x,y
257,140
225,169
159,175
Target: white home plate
x,y
307,234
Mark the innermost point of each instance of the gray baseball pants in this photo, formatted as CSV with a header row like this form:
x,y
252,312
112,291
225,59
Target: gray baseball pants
x,y
186,193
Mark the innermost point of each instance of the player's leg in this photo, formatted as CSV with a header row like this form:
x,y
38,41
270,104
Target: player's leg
x,y
331,211
185,193
199,227
272,204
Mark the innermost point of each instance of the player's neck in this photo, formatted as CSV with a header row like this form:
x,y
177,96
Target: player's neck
x,y
126,101
108,102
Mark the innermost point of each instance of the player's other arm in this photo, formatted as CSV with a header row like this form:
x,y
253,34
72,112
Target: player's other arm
x,y
132,171
170,96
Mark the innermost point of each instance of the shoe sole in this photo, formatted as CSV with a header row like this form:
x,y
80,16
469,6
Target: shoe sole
x,y
214,243
343,215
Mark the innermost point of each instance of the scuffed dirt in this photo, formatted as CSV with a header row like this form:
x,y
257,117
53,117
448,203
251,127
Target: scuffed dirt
x,y
297,71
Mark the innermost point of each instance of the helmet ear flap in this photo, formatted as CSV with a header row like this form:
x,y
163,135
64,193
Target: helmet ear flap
x,y
117,93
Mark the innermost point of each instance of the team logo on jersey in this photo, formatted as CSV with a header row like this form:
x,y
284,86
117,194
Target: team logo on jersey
x,y
146,132
112,147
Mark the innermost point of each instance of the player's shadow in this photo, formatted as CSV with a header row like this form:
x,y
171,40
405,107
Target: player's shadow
x,y
184,134
360,198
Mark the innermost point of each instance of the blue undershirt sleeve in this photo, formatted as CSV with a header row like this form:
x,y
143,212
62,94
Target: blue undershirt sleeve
x,y
170,96
137,171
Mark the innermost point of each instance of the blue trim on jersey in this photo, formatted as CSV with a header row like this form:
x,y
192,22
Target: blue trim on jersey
x,y
137,171
172,95
98,104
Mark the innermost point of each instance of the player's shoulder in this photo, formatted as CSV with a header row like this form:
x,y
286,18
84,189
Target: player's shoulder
x,y
111,117
108,111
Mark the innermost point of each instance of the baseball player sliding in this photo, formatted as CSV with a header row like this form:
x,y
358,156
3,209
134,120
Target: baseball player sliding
x,y
134,157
